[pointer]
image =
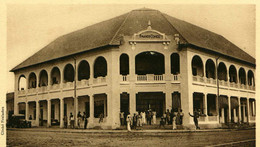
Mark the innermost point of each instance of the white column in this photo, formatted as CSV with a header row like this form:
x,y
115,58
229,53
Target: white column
x,y
76,109
222,115
91,108
253,107
205,106
37,113
167,67
26,111
239,111
248,112
235,115
16,108
244,113
132,101
132,66
61,113
48,113
229,109
168,100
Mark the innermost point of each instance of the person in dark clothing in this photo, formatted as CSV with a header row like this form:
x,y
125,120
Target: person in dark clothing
x,y
65,119
162,122
148,117
168,117
85,119
171,116
134,121
195,118
181,116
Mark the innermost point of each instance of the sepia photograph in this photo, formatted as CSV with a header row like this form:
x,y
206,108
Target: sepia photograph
x,y
130,75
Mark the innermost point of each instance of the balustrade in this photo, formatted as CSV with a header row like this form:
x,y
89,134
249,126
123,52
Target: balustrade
x,y
124,78
99,80
54,86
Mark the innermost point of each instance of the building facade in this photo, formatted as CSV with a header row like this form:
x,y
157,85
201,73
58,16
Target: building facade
x,y
137,61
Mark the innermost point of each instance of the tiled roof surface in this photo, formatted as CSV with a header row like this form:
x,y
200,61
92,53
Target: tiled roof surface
x,y
110,31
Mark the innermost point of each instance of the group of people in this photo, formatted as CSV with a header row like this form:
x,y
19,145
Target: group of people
x,y
138,119
70,121
173,117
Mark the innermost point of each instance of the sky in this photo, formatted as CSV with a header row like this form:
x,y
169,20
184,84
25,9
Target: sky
x,y
30,27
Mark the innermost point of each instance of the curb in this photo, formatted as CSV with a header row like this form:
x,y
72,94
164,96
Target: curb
x,y
122,131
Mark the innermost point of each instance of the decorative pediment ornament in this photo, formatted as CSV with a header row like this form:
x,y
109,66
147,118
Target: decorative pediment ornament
x,y
149,35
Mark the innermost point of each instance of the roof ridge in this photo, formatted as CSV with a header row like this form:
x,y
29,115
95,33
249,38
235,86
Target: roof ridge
x,y
110,43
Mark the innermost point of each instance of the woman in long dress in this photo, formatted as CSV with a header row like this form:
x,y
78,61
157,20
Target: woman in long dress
x,y
128,120
154,117
143,118
174,121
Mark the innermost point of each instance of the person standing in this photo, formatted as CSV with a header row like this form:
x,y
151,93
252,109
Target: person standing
x,y
85,120
128,120
139,120
134,121
162,122
168,118
79,119
195,118
154,117
122,118
143,117
71,120
148,117
101,116
181,116
174,121
65,119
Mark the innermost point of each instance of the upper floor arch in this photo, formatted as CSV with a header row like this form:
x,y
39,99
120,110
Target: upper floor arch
x,y
175,63
22,82
149,62
83,70
43,81
32,80
210,69
55,76
251,78
232,74
242,76
100,67
197,66
222,71
124,64
68,73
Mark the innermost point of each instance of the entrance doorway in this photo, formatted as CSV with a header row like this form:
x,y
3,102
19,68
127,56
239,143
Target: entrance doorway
x,y
151,100
124,103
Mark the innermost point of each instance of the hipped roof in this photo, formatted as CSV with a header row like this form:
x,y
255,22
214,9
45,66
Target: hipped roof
x,y
110,32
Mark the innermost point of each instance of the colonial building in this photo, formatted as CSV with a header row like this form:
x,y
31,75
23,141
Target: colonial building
x,y
137,61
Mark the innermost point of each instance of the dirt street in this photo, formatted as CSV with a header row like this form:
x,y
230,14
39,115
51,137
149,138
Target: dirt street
x,y
57,138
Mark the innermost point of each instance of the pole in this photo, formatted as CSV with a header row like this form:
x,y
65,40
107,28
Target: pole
x,y
217,107
75,94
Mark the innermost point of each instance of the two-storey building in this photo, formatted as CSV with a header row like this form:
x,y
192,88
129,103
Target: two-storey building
x,y
140,60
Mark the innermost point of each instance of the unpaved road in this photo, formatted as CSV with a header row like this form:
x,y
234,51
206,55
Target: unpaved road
x,y
39,138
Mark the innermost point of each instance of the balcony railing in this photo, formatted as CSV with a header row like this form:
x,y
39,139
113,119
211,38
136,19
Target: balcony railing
x,y
21,92
83,83
68,85
99,80
55,87
124,78
175,77
222,83
150,77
